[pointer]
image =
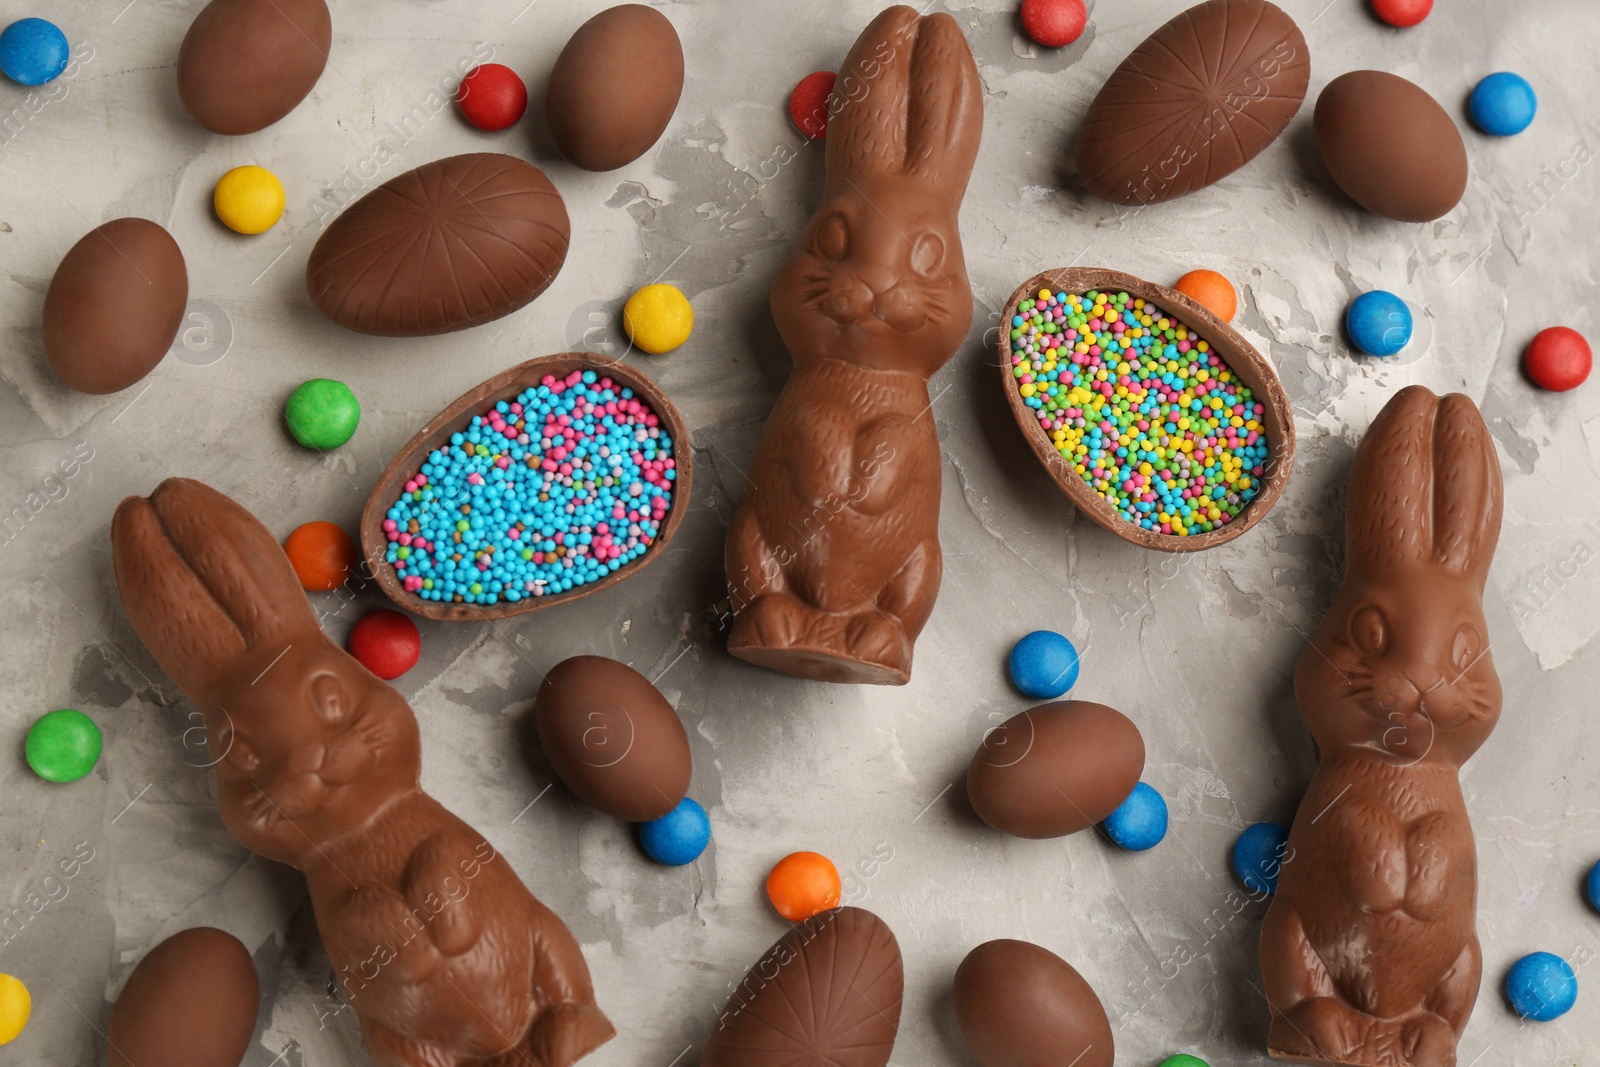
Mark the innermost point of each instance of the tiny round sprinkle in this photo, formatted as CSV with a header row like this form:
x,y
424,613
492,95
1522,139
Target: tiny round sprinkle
x,y
63,745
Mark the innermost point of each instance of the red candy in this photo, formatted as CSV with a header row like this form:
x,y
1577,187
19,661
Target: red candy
x,y
386,643
1402,13
1054,23
808,104
492,97
1558,359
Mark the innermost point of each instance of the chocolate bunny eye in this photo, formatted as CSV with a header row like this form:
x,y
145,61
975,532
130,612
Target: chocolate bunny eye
x,y
1464,651
242,756
927,254
328,698
833,238
1369,631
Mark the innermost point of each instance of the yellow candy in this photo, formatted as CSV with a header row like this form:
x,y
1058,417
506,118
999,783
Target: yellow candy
x,y
15,1007
1026,388
659,318
248,199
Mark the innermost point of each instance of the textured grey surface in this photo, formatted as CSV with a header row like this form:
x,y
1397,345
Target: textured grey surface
x,y
1198,650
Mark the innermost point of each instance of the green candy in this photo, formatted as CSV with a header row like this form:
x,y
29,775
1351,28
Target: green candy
x,y
1183,1060
63,745
323,414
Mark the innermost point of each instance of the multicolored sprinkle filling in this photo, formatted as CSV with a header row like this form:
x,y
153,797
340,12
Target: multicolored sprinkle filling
x,y
1141,408
538,495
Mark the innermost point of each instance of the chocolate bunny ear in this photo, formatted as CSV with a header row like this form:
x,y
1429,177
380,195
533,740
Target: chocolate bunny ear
x,y
203,582
1426,488
911,102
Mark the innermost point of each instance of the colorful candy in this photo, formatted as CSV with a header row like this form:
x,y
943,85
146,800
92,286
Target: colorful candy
x,y
1183,1059
248,200
492,97
1258,856
551,490
808,104
33,51
323,414
1210,290
63,745
1043,665
678,837
1140,823
1402,13
1054,23
15,1007
1591,887
1379,323
1503,104
804,884
1541,987
1141,408
386,643
658,318
1558,359
323,556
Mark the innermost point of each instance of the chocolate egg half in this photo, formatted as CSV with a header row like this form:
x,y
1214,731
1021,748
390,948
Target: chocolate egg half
x,y
828,993
1200,98
1390,146
614,87
1019,1005
191,1002
114,306
245,64
1055,769
612,738
455,243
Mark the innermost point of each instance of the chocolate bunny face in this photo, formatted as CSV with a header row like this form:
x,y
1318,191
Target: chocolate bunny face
x,y
1401,662
878,277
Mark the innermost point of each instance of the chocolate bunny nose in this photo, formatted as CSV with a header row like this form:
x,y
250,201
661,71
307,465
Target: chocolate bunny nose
x,y
849,302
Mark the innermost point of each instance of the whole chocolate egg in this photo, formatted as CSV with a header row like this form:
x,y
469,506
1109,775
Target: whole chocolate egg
x,y
114,305
614,87
828,994
455,243
1019,1005
1390,146
612,738
1055,769
1200,98
245,64
191,1002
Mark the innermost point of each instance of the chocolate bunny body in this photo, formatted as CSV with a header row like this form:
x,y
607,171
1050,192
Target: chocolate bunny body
x,y
445,956
1369,950
833,557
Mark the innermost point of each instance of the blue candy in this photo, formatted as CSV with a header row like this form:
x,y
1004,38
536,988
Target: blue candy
x,y
1140,822
1503,104
1541,986
1593,887
679,836
1379,323
1043,665
1258,854
33,51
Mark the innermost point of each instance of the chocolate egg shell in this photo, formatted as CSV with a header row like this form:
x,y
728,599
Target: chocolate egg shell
x,y
614,87
1020,1005
114,306
455,243
245,64
1200,98
1055,769
191,1002
612,738
828,992
1390,146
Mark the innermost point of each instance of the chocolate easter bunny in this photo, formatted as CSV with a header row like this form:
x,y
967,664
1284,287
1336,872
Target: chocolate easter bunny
x,y
1369,951
833,556
443,953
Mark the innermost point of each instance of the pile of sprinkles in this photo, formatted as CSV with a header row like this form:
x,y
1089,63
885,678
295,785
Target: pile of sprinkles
x,y
1142,409
539,495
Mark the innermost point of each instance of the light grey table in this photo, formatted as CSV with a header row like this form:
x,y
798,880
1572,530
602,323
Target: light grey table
x,y
1198,650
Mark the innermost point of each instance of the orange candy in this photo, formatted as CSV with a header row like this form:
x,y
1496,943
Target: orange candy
x,y
1211,291
802,885
323,556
